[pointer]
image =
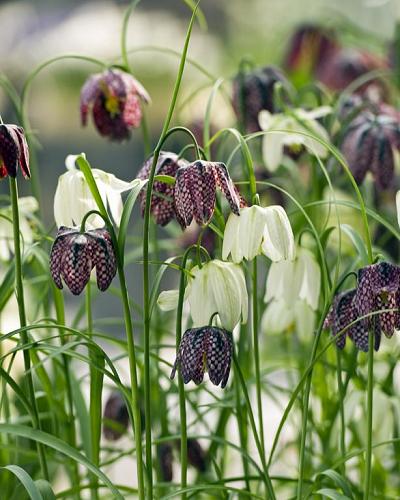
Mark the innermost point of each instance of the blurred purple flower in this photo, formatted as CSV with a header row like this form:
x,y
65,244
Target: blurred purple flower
x,y
165,460
116,98
13,151
75,254
116,417
162,202
196,455
205,348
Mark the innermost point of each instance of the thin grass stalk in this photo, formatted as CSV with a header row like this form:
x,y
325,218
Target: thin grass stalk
x,y
370,398
19,294
342,439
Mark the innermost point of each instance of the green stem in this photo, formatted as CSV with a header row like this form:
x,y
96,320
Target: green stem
x,y
146,287
370,397
124,32
19,293
341,409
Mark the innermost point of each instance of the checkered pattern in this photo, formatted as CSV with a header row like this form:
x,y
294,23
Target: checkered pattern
x,y
206,348
369,145
75,254
115,412
162,204
116,98
13,151
195,191
254,92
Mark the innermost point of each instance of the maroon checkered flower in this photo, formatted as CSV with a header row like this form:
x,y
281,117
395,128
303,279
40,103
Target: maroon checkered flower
x,y
253,92
369,144
13,151
115,417
196,455
165,460
162,201
205,348
195,191
116,98
75,254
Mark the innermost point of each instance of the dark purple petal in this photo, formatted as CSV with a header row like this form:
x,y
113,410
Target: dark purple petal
x,y
165,460
116,417
226,185
196,455
76,263
103,257
9,150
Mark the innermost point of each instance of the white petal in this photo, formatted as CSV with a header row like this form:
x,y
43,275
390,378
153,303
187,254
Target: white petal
x,y
112,182
280,282
202,305
277,317
272,149
305,320
278,241
168,300
309,278
230,244
265,119
70,161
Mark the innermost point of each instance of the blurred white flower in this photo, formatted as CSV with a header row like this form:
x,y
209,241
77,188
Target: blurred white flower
x,y
302,122
259,230
292,294
73,199
218,287
27,206
168,300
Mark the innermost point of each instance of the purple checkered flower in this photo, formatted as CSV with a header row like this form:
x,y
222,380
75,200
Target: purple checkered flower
x,y
116,99
196,455
203,349
75,254
162,201
115,416
195,191
253,92
369,145
165,461
13,151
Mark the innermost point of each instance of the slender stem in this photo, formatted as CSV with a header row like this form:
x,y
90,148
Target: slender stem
x,y
124,32
370,397
146,287
146,135
19,293
342,443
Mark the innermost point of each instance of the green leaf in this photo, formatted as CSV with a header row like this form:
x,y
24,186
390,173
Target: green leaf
x,y
60,446
126,214
167,179
333,494
340,481
45,489
357,242
26,480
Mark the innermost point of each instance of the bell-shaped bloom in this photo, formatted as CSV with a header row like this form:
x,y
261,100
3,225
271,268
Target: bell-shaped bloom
x,y
253,92
293,127
115,417
217,287
204,349
292,294
369,145
162,199
259,230
195,191
75,254
116,99
13,151
27,206
196,454
165,458
73,198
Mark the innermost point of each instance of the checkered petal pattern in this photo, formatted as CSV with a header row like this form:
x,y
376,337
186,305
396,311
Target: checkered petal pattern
x,y
205,348
13,151
116,99
75,254
195,191
162,203
116,417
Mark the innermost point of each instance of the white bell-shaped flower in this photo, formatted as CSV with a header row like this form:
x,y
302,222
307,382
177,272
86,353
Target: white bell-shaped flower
x,y
73,199
259,230
218,287
293,127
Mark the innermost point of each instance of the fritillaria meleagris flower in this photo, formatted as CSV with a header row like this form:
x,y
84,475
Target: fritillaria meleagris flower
x,y
253,92
195,191
162,201
165,461
196,455
75,254
116,99
369,144
115,417
13,151
203,349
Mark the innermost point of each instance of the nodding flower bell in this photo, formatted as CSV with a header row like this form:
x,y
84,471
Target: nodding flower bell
x,y
13,151
369,145
259,230
75,254
373,305
195,191
116,417
162,201
204,349
116,98
253,92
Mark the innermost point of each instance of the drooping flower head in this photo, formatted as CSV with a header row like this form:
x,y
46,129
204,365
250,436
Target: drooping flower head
x,y
13,151
253,92
196,455
75,254
165,461
369,145
116,99
204,349
162,201
195,191
116,417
